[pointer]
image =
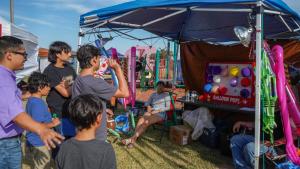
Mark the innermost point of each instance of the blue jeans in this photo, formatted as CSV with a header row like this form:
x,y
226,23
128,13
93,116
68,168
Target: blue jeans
x,y
242,148
10,153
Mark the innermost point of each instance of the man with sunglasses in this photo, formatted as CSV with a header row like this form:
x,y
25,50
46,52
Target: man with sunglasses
x,y
13,118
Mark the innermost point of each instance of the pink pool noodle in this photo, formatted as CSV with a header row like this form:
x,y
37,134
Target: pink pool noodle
x,y
282,98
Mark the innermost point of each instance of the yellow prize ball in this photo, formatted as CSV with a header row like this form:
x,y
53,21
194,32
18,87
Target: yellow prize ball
x,y
234,71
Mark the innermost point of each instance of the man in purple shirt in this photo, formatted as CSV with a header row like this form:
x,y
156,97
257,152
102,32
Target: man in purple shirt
x,y
13,118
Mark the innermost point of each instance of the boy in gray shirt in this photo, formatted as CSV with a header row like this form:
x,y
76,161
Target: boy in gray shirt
x,y
86,83
83,151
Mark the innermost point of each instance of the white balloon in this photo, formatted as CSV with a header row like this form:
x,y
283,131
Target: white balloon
x,y
217,79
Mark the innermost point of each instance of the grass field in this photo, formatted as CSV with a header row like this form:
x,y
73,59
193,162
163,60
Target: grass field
x,y
148,154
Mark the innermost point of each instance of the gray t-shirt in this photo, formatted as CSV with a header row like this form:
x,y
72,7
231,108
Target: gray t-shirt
x,y
160,102
93,85
92,154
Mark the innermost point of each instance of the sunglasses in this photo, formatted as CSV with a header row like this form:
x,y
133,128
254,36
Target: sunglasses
x,y
24,54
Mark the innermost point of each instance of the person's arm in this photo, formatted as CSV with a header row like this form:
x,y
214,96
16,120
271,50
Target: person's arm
x,y
63,89
149,108
148,103
122,91
48,136
238,125
57,82
109,112
55,122
25,95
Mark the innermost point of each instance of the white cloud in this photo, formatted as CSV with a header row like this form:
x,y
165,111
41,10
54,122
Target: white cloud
x,y
24,18
38,21
79,6
62,5
23,25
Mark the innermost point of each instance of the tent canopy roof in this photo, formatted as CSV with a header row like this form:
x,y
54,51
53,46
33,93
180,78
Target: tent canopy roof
x,y
194,20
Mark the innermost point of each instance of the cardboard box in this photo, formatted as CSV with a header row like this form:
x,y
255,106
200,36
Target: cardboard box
x,y
180,134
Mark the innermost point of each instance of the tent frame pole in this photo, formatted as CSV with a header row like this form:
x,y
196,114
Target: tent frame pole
x,y
80,35
221,10
115,18
259,35
284,22
164,17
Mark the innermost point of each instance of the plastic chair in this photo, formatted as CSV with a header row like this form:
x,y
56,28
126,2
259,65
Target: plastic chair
x,y
169,120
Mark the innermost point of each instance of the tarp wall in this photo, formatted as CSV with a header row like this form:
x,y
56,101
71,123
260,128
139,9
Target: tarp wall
x,y
30,43
196,55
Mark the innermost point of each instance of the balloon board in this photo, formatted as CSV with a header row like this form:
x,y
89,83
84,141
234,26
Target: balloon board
x,y
230,83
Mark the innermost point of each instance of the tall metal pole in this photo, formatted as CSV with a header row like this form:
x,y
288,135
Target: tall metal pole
x,y
168,61
175,53
79,44
12,11
259,34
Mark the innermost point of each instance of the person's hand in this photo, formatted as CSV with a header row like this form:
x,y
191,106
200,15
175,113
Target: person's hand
x,y
55,122
236,127
49,137
63,83
26,95
113,64
110,113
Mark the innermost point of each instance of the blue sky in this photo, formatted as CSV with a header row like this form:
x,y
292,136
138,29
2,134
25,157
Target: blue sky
x,y
53,20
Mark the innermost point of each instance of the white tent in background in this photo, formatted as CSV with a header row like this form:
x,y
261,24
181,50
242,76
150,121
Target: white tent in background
x,y
30,42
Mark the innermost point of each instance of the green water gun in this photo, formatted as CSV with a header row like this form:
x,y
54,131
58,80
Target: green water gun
x,y
268,96
54,115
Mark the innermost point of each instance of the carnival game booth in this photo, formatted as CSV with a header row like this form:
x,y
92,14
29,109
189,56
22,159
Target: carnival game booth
x,y
213,21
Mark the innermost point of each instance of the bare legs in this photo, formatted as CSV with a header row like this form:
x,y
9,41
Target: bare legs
x,y
144,122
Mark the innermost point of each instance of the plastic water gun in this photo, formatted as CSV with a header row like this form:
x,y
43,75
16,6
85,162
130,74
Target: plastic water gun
x,y
112,72
269,96
54,115
103,67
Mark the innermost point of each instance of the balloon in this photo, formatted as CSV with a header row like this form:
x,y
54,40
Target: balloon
x,y
216,70
234,82
224,71
217,79
245,93
215,89
209,70
209,78
246,72
207,87
234,71
222,90
244,34
103,66
203,97
245,82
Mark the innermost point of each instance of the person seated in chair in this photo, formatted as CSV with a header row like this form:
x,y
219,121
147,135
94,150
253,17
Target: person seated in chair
x,y
242,147
157,105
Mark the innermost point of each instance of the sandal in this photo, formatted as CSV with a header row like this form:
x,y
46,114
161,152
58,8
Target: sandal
x,y
130,145
127,141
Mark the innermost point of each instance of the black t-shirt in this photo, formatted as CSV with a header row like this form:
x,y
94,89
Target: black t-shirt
x,y
55,75
93,154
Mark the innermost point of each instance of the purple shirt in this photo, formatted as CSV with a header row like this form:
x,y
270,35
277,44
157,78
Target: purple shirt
x,y
10,103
